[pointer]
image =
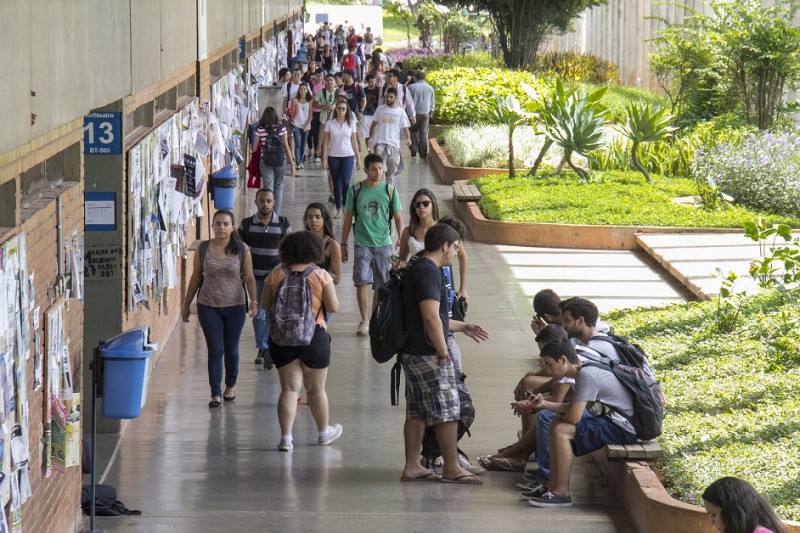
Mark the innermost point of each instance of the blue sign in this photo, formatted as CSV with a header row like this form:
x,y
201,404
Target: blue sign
x,y
102,133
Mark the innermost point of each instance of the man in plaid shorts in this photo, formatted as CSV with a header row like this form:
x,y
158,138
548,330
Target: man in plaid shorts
x,y
431,394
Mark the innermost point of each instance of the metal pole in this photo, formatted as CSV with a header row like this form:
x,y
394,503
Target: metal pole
x,y
94,436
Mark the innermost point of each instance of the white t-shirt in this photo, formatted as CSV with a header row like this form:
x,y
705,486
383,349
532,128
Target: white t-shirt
x,y
389,123
300,114
340,138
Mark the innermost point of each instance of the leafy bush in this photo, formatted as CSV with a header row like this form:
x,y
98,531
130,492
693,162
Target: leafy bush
x,y
441,61
733,399
487,146
761,172
611,198
575,67
618,97
466,95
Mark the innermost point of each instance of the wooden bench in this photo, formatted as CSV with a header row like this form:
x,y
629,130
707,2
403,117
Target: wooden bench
x,y
641,451
466,193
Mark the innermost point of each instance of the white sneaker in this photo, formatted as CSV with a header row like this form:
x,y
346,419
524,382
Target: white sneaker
x,y
333,433
363,328
285,445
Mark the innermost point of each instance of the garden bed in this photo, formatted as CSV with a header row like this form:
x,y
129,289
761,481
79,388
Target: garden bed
x,y
448,173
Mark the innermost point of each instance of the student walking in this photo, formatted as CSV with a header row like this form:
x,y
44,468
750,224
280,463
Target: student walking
x,y
340,151
272,137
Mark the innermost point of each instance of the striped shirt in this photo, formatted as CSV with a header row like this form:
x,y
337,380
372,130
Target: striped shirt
x,y
263,240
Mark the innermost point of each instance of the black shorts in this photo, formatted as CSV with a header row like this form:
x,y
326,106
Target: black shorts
x,y
316,355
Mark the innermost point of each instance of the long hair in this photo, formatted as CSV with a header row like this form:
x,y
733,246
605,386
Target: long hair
x,y
413,219
742,508
234,244
348,115
327,221
308,93
269,118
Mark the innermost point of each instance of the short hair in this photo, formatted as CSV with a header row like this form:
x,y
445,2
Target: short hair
x,y
420,75
301,247
282,72
372,158
741,507
545,302
558,349
351,47
581,307
391,90
330,77
438,235
456,224
393,72
349,72
369,76
550,333
265,189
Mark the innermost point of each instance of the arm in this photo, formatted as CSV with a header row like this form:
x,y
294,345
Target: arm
x,y
404,252
398,223
326,141
429,309
329,298
356,149
335,258
573,413
408,136
411,111
288,152
250,283
346,223
463,267
473,331
191,290
266,295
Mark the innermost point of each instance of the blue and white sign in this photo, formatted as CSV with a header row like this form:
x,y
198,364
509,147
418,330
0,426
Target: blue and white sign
x,y
100,211
102,133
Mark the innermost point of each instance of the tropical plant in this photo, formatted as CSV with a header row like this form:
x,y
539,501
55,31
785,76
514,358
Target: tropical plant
x,y
508,112
776,266
572,66
645,124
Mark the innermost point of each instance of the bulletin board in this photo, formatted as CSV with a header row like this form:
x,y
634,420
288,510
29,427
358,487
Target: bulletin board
x,y
166,181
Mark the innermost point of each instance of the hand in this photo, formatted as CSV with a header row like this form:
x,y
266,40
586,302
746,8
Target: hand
x,y
521,392
443,359
537,324
253,309
185,314
413,120
344,253
464,295
358,164
522,407
476,332
408,142
325,163
537,401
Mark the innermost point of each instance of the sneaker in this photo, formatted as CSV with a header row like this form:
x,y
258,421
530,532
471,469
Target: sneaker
x,y
285,445
260,357
423,156
413,153
536,492
363,329
333,433
317,160
551,499
268,362
301,166
331,199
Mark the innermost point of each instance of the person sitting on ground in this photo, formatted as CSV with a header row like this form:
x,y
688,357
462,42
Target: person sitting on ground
x,y
577,431
734,506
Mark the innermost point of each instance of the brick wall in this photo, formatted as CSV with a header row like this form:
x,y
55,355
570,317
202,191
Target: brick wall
x,y
55,504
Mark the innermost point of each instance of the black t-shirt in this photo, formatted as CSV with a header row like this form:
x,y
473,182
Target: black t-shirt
x,y
372,99
353,94
422,281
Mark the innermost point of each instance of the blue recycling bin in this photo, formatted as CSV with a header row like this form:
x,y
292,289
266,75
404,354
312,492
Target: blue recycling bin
x,y
224,182
126,359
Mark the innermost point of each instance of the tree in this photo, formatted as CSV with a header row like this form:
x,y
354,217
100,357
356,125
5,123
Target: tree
x,y
645,124
458,31
507,112
402,12
429,20
522,26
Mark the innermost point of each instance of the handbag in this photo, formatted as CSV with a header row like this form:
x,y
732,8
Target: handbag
x,y
459,310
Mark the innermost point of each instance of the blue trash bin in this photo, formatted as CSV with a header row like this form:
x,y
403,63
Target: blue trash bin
x,y
224,182
126,359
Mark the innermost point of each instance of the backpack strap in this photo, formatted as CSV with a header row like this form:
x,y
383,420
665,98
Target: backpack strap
x,y
283,222
356,190
202,250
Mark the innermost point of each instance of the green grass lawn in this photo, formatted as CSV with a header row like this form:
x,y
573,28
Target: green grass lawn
x,y
394,33
610,198
733,397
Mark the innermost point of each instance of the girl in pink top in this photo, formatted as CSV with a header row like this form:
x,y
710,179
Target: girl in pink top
x,y
734,506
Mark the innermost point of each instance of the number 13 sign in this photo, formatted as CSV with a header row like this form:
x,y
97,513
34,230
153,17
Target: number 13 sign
x,y
102,133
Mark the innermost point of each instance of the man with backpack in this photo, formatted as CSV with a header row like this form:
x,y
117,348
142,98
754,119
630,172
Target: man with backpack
x,y
263,233
370,207
431,391
403,98
599,414
353,63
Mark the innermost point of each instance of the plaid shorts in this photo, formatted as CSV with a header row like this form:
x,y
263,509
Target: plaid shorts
x,y
431,393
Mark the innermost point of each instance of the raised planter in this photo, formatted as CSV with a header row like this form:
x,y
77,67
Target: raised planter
x,y
560,235
647,503
448,173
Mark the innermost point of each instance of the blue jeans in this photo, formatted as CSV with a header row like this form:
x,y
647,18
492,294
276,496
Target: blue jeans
x,y
341,171
222,327
272,178
261,320
300,140
543,440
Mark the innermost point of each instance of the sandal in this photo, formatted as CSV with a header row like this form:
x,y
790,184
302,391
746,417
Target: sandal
x,y
501,464
215,402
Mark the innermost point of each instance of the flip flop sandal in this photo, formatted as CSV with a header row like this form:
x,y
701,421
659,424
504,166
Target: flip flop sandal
x,y
501,464
430,476
462,480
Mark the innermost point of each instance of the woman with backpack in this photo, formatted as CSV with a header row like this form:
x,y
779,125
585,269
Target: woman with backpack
x,y
223,269
272,137
340,151
298,294
300,115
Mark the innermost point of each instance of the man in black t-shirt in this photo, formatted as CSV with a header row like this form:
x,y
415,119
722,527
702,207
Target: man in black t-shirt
x,y
372,94
431,393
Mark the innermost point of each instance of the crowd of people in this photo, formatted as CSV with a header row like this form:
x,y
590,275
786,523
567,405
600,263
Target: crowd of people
x,y
287,282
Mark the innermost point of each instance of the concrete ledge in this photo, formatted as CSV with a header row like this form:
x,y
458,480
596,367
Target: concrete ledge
x,y
448,173
649,506
560,235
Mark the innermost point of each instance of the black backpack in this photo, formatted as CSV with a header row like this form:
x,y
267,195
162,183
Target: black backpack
x,y
273,153
387,329
647,410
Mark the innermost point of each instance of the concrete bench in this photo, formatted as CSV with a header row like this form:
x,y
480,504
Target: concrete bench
x,y
641,451
466,193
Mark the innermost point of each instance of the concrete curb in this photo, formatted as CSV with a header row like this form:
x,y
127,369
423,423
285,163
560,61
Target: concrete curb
x,y
449,174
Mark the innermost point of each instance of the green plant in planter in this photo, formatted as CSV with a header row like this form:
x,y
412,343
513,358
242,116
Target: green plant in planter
x,y
508,112
645,124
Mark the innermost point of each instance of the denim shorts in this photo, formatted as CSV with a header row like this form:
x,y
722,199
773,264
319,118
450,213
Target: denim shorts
x,y
594,432
371,265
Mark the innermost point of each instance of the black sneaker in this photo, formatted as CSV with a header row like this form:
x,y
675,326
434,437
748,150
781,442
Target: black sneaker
x,y
551,499
423,156
260,357
536,492
268,363
413,153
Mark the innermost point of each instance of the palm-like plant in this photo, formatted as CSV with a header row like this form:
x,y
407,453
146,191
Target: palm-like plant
x,y
508,112
644,124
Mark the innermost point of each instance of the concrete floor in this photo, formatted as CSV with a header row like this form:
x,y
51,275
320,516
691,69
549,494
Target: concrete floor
x,y
191,469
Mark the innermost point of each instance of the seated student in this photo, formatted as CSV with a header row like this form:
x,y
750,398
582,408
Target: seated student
x,y
577,431
734,506
580,318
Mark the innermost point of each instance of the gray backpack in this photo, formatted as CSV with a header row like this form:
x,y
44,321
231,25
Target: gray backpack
x,y
291,319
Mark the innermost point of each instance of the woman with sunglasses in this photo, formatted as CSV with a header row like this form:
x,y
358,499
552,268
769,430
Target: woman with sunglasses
x,y
340,151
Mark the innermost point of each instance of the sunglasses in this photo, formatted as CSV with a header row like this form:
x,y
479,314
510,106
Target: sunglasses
x,y
424,203
341,109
